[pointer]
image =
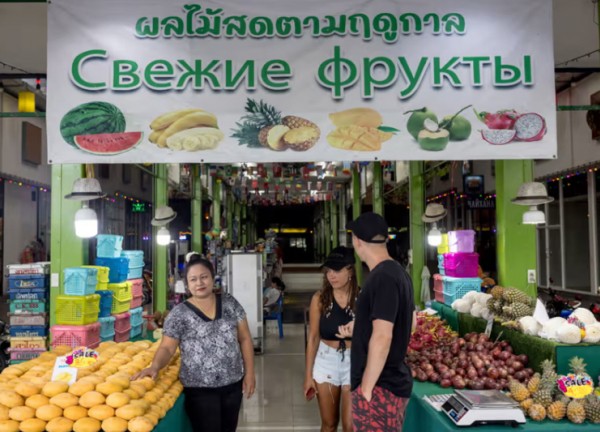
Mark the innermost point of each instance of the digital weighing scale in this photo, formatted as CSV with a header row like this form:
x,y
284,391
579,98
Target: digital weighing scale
x,y
482,407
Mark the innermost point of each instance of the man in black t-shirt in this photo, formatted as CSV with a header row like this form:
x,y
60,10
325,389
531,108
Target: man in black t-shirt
x,y
381,381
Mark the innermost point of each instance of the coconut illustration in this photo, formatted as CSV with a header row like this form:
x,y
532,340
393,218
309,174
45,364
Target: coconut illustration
x,y
414,125
459,127
432,137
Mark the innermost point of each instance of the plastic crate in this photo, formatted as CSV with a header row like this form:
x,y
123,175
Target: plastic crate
x,y
28,319
28,331
27,306
75,336
27,282
119,307
443,247
28,343
441,268
135,331
109,246
77,310
136,302
102,273
137,287
461,265
106,300
461,241
21,355
119,268
121,291
80,281
135,316
136,257
107,326
40,268
456,288
122,322
135,272
438,287
28,293
122,336
108,338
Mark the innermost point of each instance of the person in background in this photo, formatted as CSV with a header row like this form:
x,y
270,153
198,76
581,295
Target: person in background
x,y
271,294
217,353
327,372
385,315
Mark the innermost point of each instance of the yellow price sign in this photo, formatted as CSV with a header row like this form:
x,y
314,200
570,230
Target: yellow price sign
x,y
82,358
575,386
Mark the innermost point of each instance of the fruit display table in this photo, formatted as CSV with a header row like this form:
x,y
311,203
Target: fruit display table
x,y
422,417
536,348
176,419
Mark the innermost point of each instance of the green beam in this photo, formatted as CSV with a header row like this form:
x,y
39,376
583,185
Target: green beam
x,y
516,243
356,211
578,108
417,227
216,204
197,216
66,249
229,210
159,260
23,114
378,206
334,222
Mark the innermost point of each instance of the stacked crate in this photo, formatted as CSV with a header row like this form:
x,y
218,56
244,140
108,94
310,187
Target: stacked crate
x,y
134,277
458,267
28,287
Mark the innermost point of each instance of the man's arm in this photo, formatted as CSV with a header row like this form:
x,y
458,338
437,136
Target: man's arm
x,y
379,348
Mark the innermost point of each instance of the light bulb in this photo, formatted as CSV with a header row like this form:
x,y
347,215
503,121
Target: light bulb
x,y
86,222
534,216
163,236
434,237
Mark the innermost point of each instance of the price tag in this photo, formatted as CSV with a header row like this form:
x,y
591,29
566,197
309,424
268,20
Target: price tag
x,y
63,371
82,358
489,325
575,386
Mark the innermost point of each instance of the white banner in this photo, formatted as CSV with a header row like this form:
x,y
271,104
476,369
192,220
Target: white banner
x,y
282,81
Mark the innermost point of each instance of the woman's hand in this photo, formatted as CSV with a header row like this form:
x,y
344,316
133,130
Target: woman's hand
x,y
346,331
152,372
249,385
310,388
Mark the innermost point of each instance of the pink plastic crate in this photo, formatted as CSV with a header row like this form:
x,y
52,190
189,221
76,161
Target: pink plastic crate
x,y
438,287
75,336
136,302
19,355
122,336
461,241
461,265
122,323
137,287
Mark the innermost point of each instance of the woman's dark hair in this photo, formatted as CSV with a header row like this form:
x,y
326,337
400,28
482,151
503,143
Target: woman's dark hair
x,y
326,302
277,281
196,259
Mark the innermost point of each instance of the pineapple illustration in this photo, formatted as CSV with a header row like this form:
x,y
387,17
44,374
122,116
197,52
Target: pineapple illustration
x,y
259,115
518,391
576,411
534,383
592,408
557,410
537,412
294,122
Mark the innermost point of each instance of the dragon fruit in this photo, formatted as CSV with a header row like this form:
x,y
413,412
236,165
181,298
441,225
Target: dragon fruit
x,y
500,120
530,127
498,136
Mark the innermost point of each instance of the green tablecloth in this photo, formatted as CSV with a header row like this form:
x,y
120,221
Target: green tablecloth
x,y
536,348
176,419
422,417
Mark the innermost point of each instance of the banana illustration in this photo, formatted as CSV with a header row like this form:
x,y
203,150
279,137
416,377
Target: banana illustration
x,y
154,136
189,121
165,120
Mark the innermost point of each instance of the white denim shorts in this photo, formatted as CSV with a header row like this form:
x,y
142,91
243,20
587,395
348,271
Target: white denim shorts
x,y
331,366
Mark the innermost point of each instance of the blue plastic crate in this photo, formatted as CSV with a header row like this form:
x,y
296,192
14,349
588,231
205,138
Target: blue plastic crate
x,y
135,272
28,293
441,268
108,338
136,257
107,326
135,316
28,281
119,268
456,288
108,245
80,281
28,331
135,331
106,299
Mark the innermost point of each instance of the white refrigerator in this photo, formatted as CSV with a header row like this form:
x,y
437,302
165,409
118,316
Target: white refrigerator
x,y
244,281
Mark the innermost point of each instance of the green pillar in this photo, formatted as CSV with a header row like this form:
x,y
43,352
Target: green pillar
x,y
216,204
378,206
159,260
237,213
516,247
356,211
229,214
244,225
334,222
417,227
66,249
197,216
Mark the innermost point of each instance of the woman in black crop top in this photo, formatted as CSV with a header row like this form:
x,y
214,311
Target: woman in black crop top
x,y
327,355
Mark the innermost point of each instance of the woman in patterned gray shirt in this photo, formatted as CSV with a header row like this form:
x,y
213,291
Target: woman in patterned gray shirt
x,y
217,354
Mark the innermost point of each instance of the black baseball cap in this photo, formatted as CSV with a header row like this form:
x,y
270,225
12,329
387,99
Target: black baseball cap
x,y
339,258
368,226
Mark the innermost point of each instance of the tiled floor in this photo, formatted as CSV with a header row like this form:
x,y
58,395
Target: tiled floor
x,y
278,404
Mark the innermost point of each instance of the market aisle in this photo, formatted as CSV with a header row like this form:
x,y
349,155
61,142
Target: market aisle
x,y
278,404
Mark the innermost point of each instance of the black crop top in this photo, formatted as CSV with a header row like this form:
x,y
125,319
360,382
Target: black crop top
x,y
332,319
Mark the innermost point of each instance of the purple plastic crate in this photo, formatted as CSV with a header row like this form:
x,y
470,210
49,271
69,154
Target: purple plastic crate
x,y
461,265
461,241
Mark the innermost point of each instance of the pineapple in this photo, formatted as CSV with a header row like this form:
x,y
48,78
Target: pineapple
x,y
548,372
513,295
537,412
517,310
592,408
294,122
557,410
497,292
491,305
544,395
526,404
578,367
518,391
534,383
576,411
259,115
563,398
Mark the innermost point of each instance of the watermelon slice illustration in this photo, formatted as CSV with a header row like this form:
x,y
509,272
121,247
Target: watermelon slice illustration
x,y
108,143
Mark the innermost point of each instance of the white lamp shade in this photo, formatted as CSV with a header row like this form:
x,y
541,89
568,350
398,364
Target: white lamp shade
x,y
534,216
86,223
434,237
163,236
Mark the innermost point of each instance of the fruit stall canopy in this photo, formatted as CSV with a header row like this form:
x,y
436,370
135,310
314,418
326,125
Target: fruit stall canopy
x,y
170,81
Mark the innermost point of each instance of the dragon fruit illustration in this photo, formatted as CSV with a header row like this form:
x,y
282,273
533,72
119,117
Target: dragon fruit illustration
x,y
504,119
530,127
498,136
